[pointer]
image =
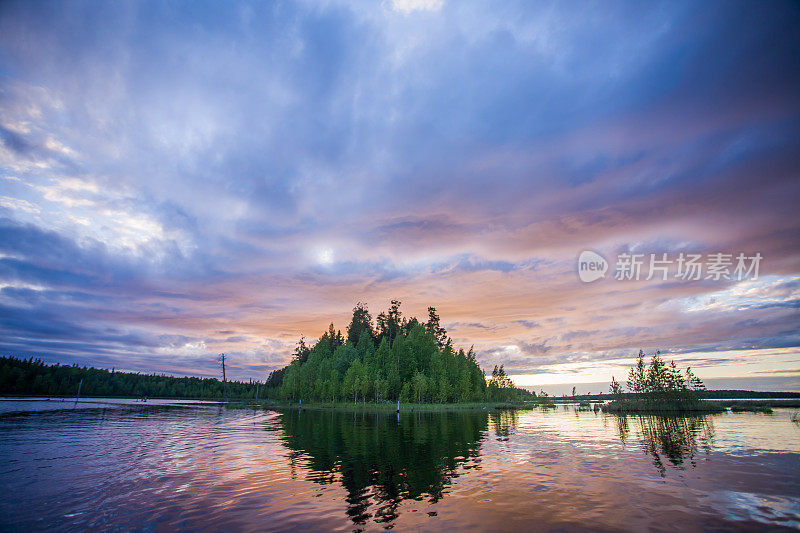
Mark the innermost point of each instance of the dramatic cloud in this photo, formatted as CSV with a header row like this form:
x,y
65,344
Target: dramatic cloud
x,y
178,181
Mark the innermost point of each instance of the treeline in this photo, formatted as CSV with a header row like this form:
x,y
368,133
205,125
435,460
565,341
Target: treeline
x,y
32,377
390,359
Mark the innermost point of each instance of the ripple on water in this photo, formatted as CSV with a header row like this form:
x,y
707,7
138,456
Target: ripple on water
x,y
118,465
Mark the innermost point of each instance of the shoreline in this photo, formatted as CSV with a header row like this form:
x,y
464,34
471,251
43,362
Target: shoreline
x,y
713,405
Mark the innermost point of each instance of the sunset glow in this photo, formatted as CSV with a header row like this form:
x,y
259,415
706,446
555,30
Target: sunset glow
x,y
178,181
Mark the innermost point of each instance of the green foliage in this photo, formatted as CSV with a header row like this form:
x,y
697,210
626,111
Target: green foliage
x,y
413,362
275,378
616,389
545,400
500,388
435,329
637,375
659,386
33,377
391,324
659,381
361,323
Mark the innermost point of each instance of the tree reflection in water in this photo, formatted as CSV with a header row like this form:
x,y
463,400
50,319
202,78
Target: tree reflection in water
x,y
671,437
382,459
504,423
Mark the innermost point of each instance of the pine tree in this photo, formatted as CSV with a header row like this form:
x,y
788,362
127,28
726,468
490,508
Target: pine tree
x,y
616,389
360,323
637,376
434,328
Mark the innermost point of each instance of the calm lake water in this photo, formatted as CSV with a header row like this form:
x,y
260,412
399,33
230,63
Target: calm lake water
x,y
122,465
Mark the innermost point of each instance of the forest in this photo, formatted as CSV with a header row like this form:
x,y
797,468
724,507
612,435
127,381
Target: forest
x,y
393,358
32,377
389,359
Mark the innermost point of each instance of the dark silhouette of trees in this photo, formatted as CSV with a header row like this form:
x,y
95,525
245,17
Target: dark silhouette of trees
x,y
434,328
302,351
275,378
33,377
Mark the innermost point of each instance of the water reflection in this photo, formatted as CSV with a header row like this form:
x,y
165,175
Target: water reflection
x,y
173,468
672,438
504,423
383,459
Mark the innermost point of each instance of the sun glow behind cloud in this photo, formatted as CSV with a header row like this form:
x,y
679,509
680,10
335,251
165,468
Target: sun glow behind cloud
x,y
407,6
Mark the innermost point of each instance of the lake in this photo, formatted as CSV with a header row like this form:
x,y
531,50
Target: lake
x,y
164,466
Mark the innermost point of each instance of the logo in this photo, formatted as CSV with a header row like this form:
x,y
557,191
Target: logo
x,y
591,266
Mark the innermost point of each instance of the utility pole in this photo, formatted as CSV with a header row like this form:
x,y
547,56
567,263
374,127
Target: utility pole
x,y
224,380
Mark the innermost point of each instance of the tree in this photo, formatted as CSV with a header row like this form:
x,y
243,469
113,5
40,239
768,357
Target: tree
x,y
420,386
693,382
390,324
405,393
335,338
275,378
616,389
393,322
360,323
637,375
301,352
434,328
675,382
656,379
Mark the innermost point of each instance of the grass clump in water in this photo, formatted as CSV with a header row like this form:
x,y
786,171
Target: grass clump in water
x,y
751,407
662,406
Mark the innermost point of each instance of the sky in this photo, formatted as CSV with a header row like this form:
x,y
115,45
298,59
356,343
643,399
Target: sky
x,y
181,179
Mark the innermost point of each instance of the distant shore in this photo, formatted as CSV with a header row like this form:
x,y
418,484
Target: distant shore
x,y
760,405
788,398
